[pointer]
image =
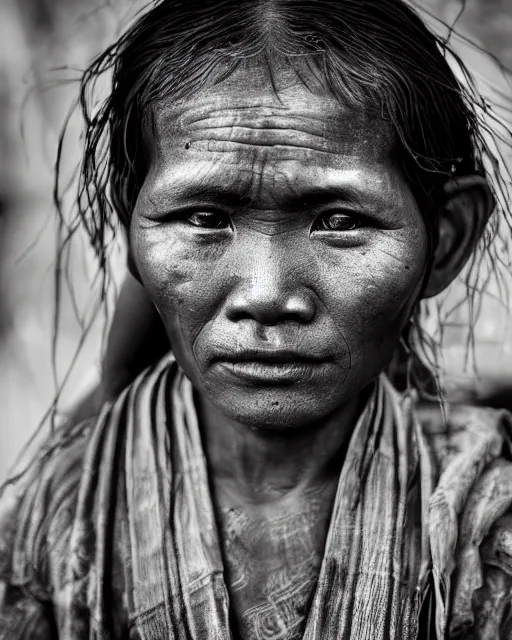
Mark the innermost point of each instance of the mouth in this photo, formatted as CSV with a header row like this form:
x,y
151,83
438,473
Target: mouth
x,y
265,367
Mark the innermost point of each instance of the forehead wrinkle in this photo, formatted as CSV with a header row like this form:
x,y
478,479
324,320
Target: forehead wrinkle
x,y
257,116
259,161
322,125
258,92
340,139
263,184
238,145
247,98
214,148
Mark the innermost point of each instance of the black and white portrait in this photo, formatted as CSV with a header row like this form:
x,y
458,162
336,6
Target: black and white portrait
x,y
256,352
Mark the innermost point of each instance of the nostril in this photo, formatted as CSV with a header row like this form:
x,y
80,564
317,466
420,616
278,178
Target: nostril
x,y
300,309
271,309
268,318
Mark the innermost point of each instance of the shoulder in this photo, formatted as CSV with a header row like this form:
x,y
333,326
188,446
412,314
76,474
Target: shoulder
x,y
66,481
463,429
37,505
470,528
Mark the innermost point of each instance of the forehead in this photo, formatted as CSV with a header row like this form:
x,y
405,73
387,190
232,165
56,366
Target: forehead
x,y
276,128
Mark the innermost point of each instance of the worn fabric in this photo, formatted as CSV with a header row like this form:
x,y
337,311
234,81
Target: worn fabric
x,y
111,533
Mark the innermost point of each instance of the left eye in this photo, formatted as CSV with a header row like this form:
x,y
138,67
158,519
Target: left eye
x,y
207,220
336,222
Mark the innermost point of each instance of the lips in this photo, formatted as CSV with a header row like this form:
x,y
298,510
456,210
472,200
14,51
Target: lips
x,y
270,356
265,366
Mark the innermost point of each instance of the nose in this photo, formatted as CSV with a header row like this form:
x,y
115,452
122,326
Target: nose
x,y
271,288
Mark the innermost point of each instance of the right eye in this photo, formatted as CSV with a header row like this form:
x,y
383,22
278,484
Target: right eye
x,y
336,221
207,220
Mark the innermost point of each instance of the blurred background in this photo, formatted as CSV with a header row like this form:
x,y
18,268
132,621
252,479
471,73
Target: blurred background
x,y
43,46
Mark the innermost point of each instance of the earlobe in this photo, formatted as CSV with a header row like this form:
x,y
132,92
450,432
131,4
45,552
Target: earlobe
x,y
468,203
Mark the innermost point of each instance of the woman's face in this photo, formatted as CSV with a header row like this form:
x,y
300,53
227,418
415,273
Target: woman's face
x,y
280,244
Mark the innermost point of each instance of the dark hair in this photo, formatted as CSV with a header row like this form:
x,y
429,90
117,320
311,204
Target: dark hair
x,y
376,55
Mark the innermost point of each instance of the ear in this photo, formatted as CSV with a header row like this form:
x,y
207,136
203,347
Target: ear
x,y
468,203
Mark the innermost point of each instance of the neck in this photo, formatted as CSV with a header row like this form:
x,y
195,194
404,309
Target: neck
x,y
259,466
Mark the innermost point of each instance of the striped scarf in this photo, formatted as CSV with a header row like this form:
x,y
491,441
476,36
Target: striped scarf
x,y
144,519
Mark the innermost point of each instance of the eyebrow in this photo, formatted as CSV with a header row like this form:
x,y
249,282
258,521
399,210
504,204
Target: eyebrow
x,y
219,194
231,197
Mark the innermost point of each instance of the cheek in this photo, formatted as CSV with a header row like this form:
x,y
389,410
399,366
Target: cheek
x,y
181,278
370,292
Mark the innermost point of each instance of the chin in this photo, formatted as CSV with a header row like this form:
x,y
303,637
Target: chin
x,y
276,409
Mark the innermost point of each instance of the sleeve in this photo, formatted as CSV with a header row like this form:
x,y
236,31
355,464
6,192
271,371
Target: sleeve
x,y
481,590
471,502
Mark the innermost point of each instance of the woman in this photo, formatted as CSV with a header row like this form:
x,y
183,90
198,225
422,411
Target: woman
x,y
294,178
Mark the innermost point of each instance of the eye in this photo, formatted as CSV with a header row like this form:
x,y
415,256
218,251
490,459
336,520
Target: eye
x,y
336,221
207,220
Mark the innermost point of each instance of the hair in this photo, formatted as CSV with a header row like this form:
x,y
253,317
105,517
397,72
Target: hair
x,y
375,55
